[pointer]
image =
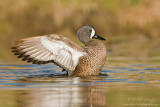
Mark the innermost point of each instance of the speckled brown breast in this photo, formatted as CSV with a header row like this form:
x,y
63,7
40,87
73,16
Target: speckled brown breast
x,y
93,62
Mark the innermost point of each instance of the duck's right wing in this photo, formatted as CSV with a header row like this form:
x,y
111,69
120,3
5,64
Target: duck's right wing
x,y
50,48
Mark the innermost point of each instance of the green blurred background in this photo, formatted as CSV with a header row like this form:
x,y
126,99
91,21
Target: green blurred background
x,y
131,27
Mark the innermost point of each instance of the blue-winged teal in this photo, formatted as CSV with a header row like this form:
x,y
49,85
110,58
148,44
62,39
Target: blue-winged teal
x,y
57,49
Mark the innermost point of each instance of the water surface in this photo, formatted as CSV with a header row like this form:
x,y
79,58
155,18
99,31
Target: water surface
x,y
121,84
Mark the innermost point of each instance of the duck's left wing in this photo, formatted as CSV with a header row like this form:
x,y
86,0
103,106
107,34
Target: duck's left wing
x,y
50,48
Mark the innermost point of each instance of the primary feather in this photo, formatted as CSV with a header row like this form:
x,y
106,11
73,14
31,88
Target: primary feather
x,y
50,48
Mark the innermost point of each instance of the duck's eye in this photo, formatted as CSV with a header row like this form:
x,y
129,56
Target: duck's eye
x,y
90,30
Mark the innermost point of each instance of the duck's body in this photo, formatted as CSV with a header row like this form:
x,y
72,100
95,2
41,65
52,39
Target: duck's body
x,y
57,49
93,61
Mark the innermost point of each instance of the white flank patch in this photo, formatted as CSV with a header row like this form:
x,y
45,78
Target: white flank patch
x,y
92,33
56,46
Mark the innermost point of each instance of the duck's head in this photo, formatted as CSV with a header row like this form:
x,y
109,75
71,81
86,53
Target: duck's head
x,y
87,33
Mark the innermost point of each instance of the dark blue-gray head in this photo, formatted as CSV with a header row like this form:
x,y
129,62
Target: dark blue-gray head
x,y
87,33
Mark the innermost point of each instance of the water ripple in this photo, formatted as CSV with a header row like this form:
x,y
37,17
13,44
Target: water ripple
x,y
35,75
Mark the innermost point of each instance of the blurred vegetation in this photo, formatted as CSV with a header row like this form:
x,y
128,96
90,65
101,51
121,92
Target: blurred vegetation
x,y
130,26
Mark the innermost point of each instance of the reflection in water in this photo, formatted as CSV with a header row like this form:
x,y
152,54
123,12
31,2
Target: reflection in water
x,y
75,92
45,86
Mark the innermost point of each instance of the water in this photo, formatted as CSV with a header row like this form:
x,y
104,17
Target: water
x,y
121,84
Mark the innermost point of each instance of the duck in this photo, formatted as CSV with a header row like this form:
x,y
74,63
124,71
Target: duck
x,y
74,59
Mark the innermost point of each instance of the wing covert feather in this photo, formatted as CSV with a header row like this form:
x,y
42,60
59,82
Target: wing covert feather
x,y
50,48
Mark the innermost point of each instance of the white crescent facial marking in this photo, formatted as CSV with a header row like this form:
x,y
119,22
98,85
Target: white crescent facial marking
x,y
92,33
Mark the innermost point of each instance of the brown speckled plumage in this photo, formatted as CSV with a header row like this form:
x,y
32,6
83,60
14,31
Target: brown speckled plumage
x,y
93,62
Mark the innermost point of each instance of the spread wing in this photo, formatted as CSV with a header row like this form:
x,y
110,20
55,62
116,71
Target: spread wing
x,y
49,49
